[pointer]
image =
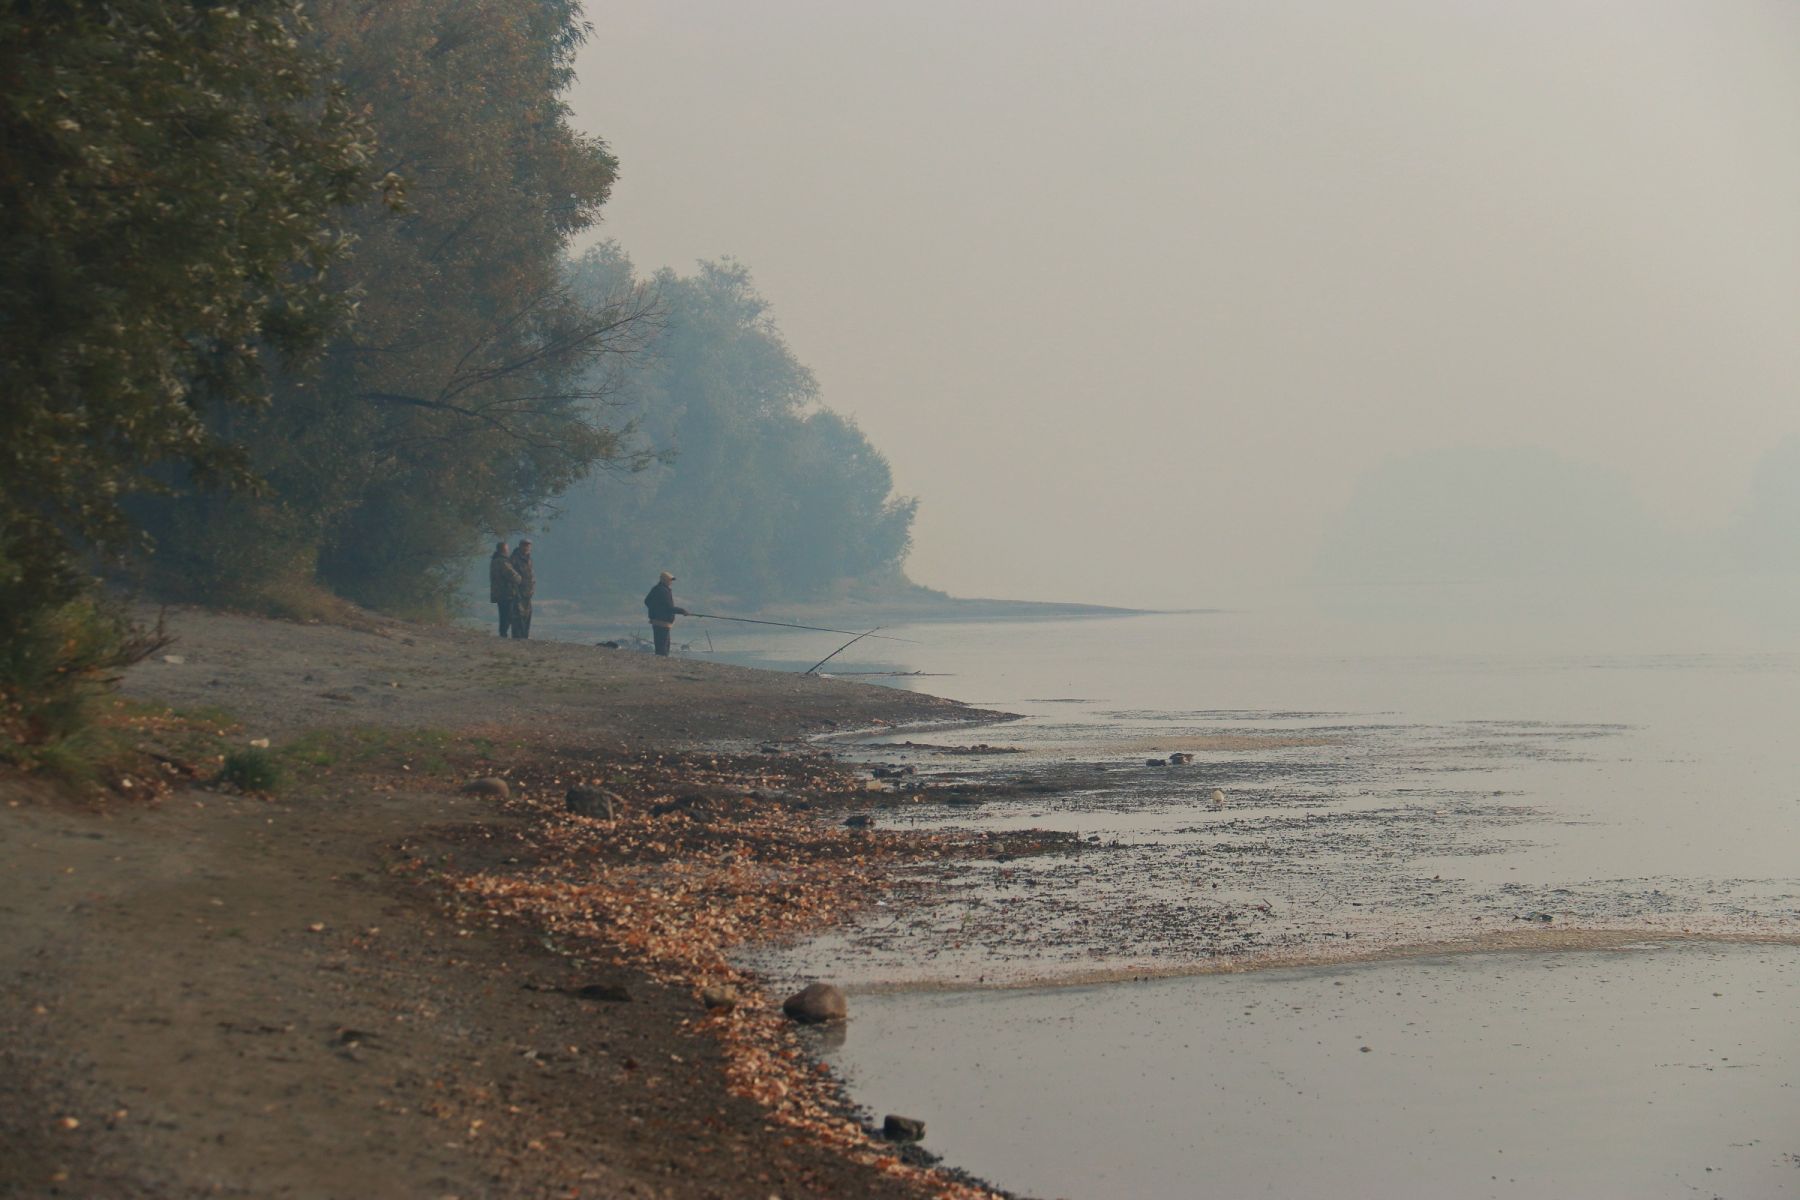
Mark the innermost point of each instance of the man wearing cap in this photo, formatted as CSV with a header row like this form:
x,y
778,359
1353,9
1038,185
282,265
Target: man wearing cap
x,y
661,603
522,593
503,582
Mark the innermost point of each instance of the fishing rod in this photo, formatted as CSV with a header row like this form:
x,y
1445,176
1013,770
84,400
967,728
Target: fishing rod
x,y
859,637
815,628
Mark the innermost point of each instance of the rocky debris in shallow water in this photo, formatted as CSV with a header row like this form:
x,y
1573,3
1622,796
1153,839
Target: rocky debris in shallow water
x,y
1180,758
488,786
816,1004
893,772
592,802
860,821
896,1128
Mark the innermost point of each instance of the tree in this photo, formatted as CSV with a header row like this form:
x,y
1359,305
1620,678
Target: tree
x,y
461,397
761,491
169,175
167,192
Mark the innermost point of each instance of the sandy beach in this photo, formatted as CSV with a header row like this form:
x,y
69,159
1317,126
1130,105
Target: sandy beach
x,y
374,982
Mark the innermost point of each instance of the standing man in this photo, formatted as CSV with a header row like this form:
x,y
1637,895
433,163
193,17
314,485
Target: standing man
x,y
661,603
503,582
527,586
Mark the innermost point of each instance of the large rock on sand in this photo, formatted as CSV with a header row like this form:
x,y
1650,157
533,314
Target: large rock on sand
x,y
491,786
816,1004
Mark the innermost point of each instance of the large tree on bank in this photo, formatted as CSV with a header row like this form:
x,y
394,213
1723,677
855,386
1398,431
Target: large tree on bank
x,y
169,178
170,174
461,397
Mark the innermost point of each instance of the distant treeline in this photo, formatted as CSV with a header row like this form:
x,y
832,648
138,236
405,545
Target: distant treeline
x,y
753,490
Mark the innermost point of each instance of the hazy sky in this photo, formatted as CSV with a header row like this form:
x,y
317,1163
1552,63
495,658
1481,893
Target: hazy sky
x,y
1131,295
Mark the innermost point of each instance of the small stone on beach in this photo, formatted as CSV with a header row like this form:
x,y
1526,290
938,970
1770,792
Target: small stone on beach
x,y
488,786
902,1129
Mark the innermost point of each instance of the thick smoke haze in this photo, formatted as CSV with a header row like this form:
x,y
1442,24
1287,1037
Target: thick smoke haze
x,y
1139,299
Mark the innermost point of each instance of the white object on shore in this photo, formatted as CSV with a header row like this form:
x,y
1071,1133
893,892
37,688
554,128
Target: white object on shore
x,y
260,743
1218,797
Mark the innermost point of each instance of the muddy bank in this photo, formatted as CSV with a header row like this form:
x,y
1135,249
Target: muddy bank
x,y
376,983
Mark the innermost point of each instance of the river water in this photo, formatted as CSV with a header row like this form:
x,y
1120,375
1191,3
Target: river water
x,y
1502,899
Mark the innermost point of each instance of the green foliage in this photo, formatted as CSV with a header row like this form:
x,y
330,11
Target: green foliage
x,y
55,663
167,186
251,769
170,172
761,493
460,399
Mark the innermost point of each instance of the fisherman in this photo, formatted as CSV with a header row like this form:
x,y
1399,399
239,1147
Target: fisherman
x,y
526,588
503,584
661,604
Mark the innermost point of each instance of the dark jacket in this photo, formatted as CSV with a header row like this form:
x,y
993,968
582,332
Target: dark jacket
x,y
503,581
521,563
661,603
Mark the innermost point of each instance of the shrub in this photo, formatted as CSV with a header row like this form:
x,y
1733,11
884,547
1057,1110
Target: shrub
x,y
251,770
56,660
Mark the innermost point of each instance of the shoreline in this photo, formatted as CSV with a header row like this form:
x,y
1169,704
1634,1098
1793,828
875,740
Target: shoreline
x,y
393,978
1524,941
370,979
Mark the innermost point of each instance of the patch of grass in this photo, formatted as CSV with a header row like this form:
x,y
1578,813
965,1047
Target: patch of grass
x,y
75,760
252,770
320,748
297,597
421,749
432,764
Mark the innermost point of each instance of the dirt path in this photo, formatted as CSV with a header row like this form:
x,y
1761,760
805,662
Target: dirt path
x,y
233,996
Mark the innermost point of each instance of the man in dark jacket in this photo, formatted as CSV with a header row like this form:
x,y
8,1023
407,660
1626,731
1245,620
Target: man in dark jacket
x,y
503,582
527,586
661,605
